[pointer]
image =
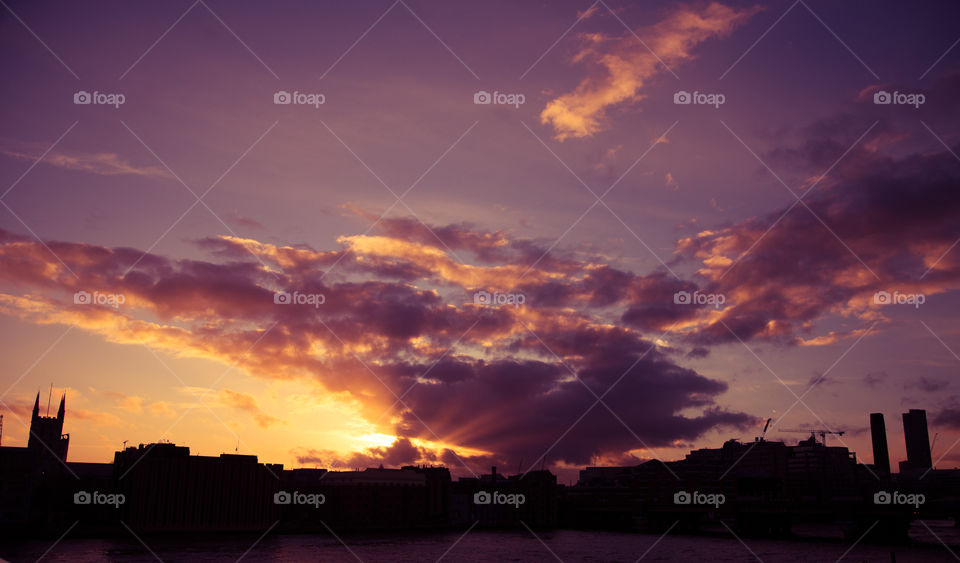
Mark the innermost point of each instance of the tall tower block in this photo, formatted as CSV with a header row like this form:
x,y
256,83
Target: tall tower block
x,y
878,431
917,439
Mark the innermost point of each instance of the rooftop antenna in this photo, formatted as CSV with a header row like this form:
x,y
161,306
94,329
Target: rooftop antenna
x,y
1,429
48,399
125,444
236,450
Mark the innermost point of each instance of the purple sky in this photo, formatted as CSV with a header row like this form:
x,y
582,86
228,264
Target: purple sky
x,y
495,197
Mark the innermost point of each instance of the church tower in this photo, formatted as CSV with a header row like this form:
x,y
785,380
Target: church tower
x,y
46,432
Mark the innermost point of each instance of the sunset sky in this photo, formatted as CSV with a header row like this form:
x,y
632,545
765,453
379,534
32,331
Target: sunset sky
x,y
793,197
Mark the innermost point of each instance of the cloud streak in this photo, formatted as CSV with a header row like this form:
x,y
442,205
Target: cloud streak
x,y
619,67
102,163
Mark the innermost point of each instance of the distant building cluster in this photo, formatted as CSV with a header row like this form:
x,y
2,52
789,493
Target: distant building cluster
x,y
767,487
160,487
761,487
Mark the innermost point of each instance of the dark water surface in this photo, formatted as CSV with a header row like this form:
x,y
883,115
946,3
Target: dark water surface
x,y
487,546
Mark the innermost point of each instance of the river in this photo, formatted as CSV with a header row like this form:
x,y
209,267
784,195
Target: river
x,y
488,546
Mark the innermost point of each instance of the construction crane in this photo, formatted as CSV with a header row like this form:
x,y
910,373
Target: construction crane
x,y
764,433
813,433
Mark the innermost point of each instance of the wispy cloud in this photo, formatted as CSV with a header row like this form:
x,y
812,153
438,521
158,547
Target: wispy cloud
x,y
103,163
620,66
246,403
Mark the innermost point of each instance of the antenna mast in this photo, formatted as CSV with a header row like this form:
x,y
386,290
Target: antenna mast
x,y
48,399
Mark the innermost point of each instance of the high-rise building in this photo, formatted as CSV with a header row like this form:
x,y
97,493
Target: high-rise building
x,y
878,431
917,439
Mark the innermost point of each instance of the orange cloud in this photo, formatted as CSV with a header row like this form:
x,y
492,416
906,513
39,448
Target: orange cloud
x,y
399,318
620,67
246,403
96,417
162,408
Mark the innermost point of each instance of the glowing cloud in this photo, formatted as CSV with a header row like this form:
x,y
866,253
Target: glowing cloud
x,y
619,67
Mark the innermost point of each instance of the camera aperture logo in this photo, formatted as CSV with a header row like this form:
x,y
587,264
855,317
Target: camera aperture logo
x,y
284,98
684,98
484,98
84,98
98,498
884,98
897,298
696,298
496,497
497,299
898,498
298,498
97,298
698,498
297,298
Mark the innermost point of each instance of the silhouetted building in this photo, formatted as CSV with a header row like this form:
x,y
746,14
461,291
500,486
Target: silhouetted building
x,y
497,501
413,497
167,489
437,496
375,498
46,434
604,497
917,440
30,477
607,477
878,433
763,487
